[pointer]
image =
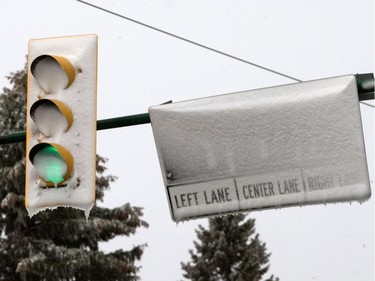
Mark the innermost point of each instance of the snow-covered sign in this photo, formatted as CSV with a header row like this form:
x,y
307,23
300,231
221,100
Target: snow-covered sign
x,y
282,146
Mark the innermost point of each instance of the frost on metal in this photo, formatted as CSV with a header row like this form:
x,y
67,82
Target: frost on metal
x,y
64,113
290,145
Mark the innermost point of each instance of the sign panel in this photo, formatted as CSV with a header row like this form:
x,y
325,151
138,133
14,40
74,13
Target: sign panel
x,y
291,145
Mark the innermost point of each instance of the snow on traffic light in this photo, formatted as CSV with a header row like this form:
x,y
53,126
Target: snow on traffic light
x,y
61,123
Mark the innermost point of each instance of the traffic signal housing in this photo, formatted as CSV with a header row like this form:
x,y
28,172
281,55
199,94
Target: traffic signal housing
x,y
61,123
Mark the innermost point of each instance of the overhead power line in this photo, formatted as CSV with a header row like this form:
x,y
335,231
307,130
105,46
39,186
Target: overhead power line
x,y
195,43
365,103
144,117
189,41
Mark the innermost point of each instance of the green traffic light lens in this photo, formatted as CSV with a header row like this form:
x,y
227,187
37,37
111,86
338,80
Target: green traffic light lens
x,y
49,165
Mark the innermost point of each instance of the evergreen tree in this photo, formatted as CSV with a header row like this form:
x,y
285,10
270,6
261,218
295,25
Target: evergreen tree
x,y
59,244
229,250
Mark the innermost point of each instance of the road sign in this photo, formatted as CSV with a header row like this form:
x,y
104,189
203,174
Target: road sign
x,y
290,145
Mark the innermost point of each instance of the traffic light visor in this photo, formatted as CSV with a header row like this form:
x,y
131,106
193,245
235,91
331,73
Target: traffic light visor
x,y
53,73
51,116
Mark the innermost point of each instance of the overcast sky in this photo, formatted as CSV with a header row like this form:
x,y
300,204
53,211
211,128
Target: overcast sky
x,y
139,67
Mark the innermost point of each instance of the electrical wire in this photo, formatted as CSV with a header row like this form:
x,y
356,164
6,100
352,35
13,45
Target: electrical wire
x,y
195,43
189,41
365,103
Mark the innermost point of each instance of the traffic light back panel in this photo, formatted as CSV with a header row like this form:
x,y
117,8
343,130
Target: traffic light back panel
x,y
61,123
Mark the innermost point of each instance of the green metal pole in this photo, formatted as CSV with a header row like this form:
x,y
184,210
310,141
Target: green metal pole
x,y
13,138
365,85
124,121
104,124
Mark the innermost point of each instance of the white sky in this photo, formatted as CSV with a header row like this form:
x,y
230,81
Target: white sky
x,y
139,67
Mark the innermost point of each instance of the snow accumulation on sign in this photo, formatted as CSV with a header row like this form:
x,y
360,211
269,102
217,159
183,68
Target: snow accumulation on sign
x,y
290,145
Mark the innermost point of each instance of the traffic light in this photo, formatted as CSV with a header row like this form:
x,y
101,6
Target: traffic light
x,y
61,123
